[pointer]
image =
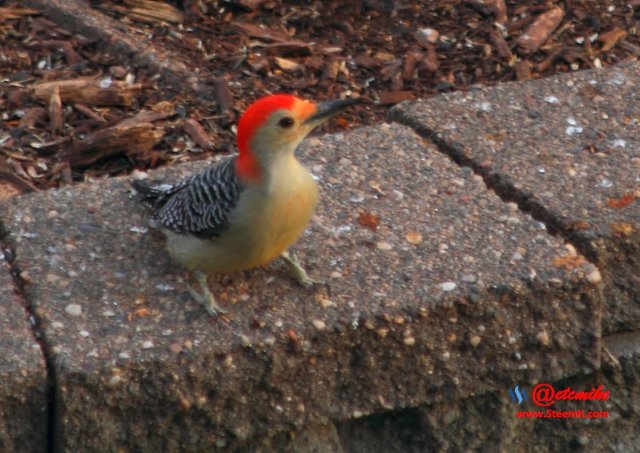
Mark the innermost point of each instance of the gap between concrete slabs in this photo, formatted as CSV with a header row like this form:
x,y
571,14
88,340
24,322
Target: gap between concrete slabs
x,y
566,150
440,300
489,422
24,392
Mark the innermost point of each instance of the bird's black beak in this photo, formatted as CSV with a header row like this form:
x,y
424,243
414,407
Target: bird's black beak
x,y
328,108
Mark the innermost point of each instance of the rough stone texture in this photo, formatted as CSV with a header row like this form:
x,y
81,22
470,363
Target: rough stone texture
x,y
486,298
312,438
481,423
567,149
617,433
489,422
23,377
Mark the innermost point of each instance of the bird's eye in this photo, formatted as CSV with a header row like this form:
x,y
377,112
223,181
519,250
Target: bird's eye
x,y
286,122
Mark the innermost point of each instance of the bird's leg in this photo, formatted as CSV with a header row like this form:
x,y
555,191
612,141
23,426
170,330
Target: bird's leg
x,y
205,298
298,271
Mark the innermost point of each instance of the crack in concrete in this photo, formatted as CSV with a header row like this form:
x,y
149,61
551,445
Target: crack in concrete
x,y
9,254
501,185
507,192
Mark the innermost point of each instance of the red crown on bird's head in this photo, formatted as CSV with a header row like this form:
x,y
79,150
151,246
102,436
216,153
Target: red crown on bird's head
x,y
254,117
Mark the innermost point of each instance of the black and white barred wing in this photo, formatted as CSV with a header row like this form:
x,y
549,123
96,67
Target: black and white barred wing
x,y
199,205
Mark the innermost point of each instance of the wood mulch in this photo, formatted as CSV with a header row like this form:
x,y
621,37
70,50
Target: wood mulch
x,y
71,111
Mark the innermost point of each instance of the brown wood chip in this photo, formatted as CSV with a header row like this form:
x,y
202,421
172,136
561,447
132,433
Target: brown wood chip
x,y
611,38
287,65
150,10
394,97
9,13
289,49
523,70
146,116
9,174
55,112
410,64
499,10
540,30
330,70
256,31
500,45
33,116
195,130
250,4
131,139
88,91
69,52
430,61
86,111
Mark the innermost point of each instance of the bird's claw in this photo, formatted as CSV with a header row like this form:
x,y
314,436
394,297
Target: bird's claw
x,y
205,298
315,284
311,283
299,274
207,302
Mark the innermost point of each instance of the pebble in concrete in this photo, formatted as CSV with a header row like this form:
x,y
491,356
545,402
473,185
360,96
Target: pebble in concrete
x,y
452,305
566,148
23,376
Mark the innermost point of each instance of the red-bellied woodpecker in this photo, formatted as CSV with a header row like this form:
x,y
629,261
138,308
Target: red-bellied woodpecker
x,y
247,209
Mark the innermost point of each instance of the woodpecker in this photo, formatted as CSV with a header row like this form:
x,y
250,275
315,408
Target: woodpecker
x,y
249,208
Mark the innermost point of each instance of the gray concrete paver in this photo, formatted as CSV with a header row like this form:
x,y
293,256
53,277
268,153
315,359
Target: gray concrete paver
x,y
23,375
455,293
566,148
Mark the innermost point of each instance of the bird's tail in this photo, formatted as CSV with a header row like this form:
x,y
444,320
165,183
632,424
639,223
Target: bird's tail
x,y
146,193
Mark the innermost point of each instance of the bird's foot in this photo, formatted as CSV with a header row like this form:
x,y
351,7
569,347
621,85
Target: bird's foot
x,y
205,297
298,272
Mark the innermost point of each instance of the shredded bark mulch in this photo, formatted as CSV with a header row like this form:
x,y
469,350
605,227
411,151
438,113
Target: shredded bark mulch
x,y
73,112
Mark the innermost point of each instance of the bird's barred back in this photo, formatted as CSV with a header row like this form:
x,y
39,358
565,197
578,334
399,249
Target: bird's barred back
x,y
200,205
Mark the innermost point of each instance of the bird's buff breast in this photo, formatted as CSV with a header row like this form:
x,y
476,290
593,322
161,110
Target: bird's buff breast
x,y
265,224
